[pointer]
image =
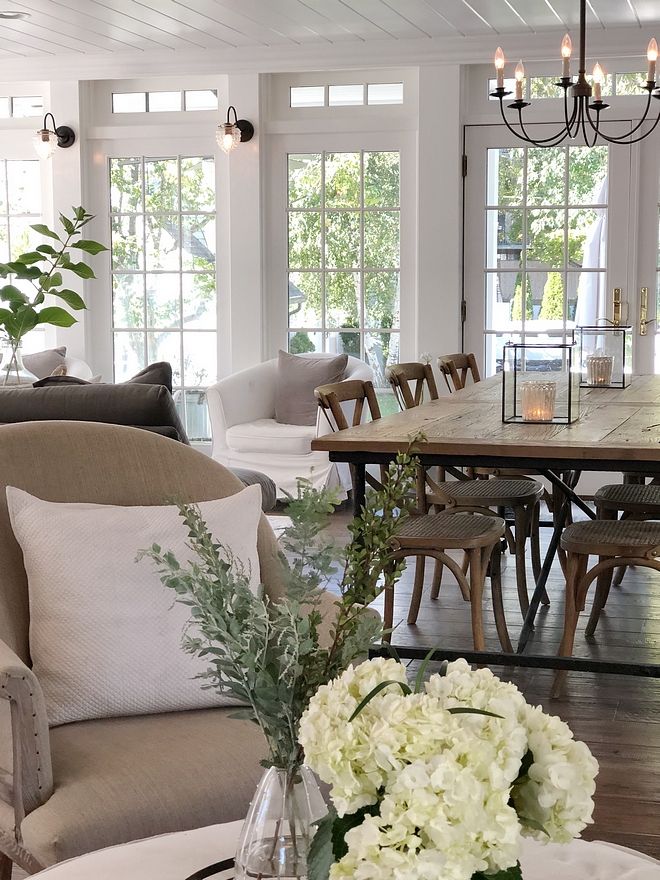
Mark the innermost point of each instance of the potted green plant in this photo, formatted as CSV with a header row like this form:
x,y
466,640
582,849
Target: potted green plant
x,y
43,269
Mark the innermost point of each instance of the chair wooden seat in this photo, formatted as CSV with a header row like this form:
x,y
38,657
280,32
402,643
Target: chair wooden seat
x,y
617,543
629,498
458,531
492,493
627,538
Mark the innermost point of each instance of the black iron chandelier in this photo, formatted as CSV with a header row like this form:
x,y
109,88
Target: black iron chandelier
x,y
584,115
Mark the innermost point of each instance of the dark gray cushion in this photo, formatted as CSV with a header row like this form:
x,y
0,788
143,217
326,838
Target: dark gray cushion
x,y
252,478
159,373
42,363
297,377
147,406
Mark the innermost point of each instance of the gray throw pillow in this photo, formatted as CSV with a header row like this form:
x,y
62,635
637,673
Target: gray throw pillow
x,y
43,363
297,377
158,373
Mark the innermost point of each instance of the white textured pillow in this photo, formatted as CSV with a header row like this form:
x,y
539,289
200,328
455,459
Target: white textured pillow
x,y
105,634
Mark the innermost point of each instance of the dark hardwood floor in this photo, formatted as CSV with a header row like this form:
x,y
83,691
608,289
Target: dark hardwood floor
x,y
617,716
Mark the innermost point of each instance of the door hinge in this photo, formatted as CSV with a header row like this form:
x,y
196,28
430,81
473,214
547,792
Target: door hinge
x,y
463,311
464,165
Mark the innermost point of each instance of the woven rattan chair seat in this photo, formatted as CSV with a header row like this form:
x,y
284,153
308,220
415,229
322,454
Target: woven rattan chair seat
x,y
612,537
449,531
487,493
629,497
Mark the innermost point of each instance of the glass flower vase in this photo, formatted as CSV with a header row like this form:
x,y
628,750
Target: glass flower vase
x,y
279,826
12,369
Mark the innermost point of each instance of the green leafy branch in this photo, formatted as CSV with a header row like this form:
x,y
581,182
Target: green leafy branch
x,y
42,269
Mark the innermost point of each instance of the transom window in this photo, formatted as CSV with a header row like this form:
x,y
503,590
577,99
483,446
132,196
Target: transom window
x,y
343,255
164,101
163,274
546,242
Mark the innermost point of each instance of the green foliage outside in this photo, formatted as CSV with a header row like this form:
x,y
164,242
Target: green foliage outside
x,y
300,343
516,302
552,304
336,277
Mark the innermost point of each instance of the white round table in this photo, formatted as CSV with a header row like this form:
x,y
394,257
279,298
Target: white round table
x,y
177,856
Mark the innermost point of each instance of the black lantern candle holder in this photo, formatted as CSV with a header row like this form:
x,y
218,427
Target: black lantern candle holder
x,y
605,354
541,383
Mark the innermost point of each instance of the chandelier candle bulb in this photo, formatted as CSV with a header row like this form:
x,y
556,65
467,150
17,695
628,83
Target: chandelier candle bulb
x,y
598,77
566,50
538,401
520,80
499,67
652,57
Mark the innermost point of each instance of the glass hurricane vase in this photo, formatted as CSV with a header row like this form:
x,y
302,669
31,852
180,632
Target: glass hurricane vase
x,y
279,826
12,369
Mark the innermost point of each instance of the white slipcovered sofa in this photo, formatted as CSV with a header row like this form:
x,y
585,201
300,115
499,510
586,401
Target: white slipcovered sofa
x,y
246,435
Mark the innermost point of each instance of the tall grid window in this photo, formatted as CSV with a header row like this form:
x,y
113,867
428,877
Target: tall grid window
x,y
343,255
163,275
546,243
20,207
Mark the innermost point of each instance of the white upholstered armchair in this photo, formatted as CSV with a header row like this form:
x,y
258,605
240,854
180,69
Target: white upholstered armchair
x,y
246,434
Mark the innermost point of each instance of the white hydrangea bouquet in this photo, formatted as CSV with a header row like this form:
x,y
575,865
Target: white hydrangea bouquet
x,y
439,781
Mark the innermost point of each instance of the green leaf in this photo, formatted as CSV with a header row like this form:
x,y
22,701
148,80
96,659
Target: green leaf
x,y
343,824
419,678
30,257
23,271
512,873
67,224
45,249
465,710
71,298
56,316
533,823
22,321
82,270
42,229
48,281
379,687
4,314
12,294
320,856
89,246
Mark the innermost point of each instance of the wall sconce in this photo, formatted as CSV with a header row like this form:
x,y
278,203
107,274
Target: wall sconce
x,y
230,134
46,140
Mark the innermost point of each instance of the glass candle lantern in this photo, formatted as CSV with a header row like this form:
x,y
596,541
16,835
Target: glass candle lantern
x,y
540,383
605,354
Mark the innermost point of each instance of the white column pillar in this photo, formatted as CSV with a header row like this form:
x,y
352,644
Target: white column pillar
x,y
439,211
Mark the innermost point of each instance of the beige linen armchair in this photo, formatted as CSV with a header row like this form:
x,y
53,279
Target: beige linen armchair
x,y
78,787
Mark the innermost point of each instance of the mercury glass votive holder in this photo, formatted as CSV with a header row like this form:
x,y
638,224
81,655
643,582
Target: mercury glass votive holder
x,y
538,401
599,369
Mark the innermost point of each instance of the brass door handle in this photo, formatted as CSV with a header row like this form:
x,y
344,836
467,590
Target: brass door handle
x,y
644,321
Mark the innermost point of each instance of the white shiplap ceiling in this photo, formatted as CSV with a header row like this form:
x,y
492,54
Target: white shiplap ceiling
x,y
91,36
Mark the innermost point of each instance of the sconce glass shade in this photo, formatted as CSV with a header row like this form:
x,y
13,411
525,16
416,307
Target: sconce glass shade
x,y
228,136
541,383
45,143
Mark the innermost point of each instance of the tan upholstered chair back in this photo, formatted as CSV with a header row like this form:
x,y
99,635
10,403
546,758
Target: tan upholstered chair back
x,y
104,464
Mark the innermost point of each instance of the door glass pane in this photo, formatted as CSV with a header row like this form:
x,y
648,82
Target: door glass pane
x,y
164,280
343,255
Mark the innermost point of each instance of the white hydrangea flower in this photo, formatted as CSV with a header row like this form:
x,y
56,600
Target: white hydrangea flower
x,y
559,792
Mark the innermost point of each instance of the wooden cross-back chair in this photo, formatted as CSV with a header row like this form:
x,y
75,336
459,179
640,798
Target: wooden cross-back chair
x,y
455,369
476,531
410,382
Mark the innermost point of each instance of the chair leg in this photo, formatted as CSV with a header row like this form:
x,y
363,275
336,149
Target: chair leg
x,y
388,610
476,595
576,565
496,593
437,579
603,584
520,521
415,602
618,576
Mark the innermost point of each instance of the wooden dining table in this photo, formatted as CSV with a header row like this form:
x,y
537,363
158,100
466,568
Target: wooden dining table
x,y
618,431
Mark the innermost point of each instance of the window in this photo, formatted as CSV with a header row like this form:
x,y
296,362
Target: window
x,y
546,232
161,102
307,96
163,275
343,255
346,95
21,107
385,93
20,207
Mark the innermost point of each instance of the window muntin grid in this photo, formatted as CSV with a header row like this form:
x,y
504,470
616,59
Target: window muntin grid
x,y
162,218
545,218
343,220
170,101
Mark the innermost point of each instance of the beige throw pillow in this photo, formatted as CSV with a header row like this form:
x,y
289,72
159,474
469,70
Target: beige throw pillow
x,y
297,377
105,634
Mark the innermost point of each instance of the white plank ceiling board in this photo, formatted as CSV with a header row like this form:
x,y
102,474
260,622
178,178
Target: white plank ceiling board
x,y
272,15
647,11
349,19
569,10
424,16
56,35
614,13
389,19
463,17
253,32
502,16
81,25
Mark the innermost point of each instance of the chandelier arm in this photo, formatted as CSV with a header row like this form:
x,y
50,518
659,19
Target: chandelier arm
x,y
594,126
553,141
626,138
636,140
522,137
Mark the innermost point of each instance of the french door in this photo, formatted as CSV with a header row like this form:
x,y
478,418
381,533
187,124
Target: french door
x,y
554,237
